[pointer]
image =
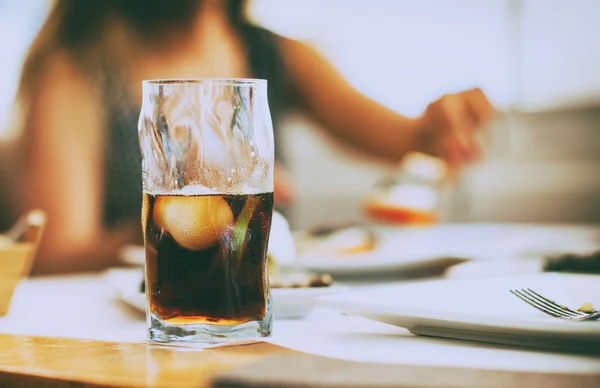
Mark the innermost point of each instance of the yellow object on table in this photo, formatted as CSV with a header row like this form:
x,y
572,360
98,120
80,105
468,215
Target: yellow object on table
x,y
60,362
17,252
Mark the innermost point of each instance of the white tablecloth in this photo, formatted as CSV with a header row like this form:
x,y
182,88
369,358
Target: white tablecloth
x,y
84,306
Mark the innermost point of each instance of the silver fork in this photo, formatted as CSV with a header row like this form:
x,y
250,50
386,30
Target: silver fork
x,y
552,308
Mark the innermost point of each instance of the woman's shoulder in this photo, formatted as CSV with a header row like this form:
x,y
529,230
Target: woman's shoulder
x,y
57,90
56,76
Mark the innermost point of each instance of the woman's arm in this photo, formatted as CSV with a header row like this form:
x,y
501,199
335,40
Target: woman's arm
x,y
62,161
446,128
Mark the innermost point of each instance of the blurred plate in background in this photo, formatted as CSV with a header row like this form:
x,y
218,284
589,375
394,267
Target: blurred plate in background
x,y
419,248
288,303
408,249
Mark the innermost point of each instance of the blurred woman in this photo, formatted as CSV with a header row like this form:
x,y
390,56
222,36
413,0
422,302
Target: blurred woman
x,y
79,98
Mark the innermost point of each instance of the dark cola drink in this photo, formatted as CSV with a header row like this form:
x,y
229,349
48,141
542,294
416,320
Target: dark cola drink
x,y
206,257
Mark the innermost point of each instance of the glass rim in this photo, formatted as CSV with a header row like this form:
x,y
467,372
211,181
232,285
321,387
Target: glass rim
x,y
205,81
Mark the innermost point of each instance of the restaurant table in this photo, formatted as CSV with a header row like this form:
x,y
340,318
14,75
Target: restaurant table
x,y
74,328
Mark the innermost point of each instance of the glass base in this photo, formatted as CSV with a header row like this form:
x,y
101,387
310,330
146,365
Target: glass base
x,y
207,335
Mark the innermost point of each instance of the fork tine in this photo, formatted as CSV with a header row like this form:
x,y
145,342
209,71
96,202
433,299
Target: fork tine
x,y
534,304
546,306
577,313
549,303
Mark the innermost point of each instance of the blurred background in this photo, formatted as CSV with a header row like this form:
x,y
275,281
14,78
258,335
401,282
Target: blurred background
x,y
537,60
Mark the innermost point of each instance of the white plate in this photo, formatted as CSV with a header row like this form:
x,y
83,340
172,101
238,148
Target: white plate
x,y
481,309
406,249
403,249
386,259
287,302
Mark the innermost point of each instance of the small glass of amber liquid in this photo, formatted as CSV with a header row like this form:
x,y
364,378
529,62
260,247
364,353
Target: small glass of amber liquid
x,y
410,196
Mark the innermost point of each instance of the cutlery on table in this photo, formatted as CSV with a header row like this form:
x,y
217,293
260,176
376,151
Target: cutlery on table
x,y
552,308
27,227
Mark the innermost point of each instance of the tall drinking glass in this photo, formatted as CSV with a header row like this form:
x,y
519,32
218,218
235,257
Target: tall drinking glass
x,y
207,150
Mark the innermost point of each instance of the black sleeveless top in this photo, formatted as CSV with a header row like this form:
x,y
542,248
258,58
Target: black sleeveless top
x,y
123,166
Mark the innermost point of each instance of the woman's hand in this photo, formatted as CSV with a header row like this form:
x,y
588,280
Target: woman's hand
x,y
449,126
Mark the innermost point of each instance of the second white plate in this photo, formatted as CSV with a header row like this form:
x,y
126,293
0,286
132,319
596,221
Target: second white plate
x,y
481,309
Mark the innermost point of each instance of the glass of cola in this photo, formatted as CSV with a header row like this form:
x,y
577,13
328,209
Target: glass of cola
x,y
208,154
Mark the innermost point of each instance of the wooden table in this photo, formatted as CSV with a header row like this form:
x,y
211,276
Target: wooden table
x,y
34,348
58,362
54,362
